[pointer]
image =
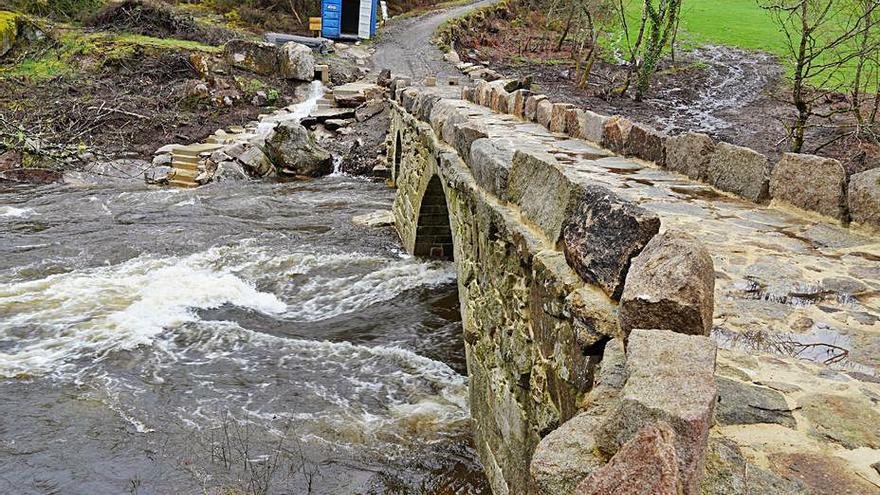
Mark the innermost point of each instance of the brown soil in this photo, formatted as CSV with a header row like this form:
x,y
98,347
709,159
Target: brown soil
x,y
133,107
733,95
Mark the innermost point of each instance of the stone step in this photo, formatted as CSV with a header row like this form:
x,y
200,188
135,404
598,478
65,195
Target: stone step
x,y
192,160
185,166
183,174
195,150
183,184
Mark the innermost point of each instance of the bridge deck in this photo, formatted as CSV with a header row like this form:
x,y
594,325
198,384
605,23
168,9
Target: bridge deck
x,y
782,276
791,288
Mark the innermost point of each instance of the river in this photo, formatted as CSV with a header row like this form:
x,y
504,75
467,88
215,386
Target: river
x,y
244,336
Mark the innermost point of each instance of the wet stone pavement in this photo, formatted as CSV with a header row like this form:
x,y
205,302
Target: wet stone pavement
x,y
797,313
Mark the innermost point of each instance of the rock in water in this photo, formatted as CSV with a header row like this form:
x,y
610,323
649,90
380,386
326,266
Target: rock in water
x,y
670,286
297,62
293,151
378,218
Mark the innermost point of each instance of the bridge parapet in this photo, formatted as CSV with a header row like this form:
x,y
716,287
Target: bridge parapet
x,y
543,254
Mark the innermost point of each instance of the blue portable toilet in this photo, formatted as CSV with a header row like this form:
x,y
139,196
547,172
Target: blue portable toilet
x,y
349,19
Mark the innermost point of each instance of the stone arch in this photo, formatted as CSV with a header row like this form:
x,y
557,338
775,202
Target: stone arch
x,y
398,156
434,231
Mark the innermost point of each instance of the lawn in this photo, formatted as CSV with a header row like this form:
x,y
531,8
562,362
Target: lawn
x,y
736,23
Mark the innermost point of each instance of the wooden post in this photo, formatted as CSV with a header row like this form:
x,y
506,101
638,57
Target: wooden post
x,y
315,25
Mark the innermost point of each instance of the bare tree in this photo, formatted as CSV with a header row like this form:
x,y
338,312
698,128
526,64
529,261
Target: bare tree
x,y
822,37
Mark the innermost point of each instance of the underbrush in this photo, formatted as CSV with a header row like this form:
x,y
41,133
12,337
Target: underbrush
x,y
157,20
59,10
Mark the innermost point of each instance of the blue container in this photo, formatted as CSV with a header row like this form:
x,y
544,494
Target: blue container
x,y
349,19
331,17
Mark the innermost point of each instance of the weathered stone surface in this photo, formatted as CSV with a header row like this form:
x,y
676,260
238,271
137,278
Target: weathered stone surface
x,y
602,234
848,421
251,157
293,151
740,171
518,108
531,108
615,134
589,308
445,114
490,163
646,143
584,124
229,171
465,134
544,113
256,57
820,474
646,464
541,190
812,183
384,78
864,198
355,94
31,175
671,379
498,97
670,285
744,404
689,154
559,116
728,473
370,110
297,62
566,456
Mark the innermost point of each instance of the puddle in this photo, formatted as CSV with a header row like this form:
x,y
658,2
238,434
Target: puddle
x,y
822,344
698,192
798,294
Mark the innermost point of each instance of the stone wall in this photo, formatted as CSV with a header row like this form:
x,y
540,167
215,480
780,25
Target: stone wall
x,y
543,263
807,182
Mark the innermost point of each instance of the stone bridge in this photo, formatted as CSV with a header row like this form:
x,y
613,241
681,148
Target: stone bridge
x,y
587,285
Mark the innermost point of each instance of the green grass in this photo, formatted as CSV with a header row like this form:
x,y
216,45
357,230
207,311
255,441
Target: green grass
x,y
736,23
105,48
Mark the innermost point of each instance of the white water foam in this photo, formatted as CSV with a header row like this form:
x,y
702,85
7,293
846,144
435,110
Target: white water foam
x,y
305,108
418,395
87,313
323,297
13,212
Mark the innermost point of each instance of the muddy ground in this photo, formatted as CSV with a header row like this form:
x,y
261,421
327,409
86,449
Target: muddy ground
x,y
733,95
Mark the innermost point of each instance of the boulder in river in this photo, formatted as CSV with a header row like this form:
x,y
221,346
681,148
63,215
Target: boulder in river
x,y
294,152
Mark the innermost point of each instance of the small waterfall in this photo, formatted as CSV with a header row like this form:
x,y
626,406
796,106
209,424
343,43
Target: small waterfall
x,y
303,109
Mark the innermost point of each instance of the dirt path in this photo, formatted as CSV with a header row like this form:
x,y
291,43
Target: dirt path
x,y
405,47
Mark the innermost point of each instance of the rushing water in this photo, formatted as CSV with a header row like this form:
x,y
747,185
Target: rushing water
x,y
245,336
